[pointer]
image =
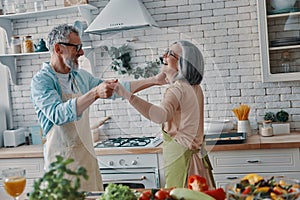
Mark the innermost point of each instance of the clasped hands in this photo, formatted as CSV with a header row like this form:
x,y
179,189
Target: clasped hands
x,y
108,87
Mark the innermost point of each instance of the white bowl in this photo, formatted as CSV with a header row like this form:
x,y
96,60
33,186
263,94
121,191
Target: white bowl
x,y
217,126
282,4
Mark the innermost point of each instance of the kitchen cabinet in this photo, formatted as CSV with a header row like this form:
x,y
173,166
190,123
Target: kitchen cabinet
x,y
6,22
34,170
279,42
231,165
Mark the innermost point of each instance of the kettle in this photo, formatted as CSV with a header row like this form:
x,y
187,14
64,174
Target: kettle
x,y
41,46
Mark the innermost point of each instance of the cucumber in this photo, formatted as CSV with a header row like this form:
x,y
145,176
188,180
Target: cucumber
x,y
187,194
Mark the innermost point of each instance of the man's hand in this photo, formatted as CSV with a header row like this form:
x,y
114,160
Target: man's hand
x,y
106,89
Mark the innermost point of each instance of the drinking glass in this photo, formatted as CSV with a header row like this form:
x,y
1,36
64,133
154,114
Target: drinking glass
x,y
14,181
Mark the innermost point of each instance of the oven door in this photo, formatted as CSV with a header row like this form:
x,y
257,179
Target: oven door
x,y
133,178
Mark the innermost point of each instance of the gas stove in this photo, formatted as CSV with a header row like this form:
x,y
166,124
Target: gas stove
x,y
129,142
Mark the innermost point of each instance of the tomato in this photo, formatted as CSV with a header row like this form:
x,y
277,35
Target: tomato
x,y
161,195
247,190
218,194
146,195
197,183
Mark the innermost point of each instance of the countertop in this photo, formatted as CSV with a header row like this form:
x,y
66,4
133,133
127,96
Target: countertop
x,y
253,142
256,141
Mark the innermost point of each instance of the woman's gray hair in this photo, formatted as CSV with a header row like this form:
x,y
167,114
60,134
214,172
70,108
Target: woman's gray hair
x,y
60,33
190,63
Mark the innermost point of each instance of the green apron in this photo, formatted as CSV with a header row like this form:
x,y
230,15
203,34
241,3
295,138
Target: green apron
x,y
177,162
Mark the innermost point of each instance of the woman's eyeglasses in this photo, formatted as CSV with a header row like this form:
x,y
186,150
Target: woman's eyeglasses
x,y
169,52
77,46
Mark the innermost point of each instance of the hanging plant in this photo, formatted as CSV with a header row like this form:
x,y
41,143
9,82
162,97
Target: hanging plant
x,y
121,63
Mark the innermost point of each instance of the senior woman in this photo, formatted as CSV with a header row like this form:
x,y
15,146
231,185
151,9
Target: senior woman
x,y
181,114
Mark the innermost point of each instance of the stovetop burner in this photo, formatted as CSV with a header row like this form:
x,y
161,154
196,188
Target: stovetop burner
x,y
125,142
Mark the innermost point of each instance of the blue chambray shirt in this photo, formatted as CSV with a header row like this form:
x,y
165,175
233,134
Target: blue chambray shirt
x,y
46,95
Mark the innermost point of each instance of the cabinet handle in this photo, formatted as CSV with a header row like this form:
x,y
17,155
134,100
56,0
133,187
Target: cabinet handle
x,y
253,161
232,177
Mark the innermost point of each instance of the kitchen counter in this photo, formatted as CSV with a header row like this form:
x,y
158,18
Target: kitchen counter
x,y
256,141
253,142
36,151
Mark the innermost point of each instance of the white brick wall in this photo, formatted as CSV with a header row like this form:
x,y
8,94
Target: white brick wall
x,y
226,32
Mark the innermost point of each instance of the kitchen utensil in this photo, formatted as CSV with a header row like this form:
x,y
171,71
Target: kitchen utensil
x,y
226,138
244,126
14,138
100,123
41,47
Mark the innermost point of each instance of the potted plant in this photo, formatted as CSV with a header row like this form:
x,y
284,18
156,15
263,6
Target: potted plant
x,y
279,120
53,185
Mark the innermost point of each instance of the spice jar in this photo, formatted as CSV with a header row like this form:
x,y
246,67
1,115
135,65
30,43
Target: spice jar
x,y
267,129
15,44
9,7
28,46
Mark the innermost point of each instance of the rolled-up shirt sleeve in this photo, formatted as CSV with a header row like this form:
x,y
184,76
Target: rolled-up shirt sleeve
x,y
48,102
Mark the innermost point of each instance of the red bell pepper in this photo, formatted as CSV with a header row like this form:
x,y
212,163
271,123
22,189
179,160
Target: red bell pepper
x,y
218,194
197,183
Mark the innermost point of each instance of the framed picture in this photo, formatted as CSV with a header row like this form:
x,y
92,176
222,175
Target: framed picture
x,y
74,2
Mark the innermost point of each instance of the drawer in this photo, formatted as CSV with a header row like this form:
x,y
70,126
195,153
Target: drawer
x,y
262,160
34,166
223,179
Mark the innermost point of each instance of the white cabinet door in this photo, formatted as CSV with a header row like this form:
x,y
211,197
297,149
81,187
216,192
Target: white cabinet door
x,y
223,179
249,161
231,165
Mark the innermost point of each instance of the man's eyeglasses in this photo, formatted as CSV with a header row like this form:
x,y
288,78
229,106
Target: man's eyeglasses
x,y
77,46
170,53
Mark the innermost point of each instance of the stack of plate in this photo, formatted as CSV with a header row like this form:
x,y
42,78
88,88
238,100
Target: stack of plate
x,y
285,41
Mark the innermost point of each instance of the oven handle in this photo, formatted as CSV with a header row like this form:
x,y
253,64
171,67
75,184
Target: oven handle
x,y
114,180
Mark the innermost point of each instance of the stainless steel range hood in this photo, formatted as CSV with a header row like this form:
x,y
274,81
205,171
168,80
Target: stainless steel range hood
x,y
120,15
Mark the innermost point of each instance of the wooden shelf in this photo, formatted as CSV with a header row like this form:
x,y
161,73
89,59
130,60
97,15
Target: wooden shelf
x,y
6,23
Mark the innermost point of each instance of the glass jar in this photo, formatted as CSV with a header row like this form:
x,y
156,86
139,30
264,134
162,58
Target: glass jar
x,y
28,46
20,6
15,44
9,7
38,5
267,129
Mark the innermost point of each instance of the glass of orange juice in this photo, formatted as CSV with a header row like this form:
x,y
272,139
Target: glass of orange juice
x,y
14,181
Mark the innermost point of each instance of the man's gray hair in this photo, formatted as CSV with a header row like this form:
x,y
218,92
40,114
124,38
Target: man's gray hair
x,y
60,33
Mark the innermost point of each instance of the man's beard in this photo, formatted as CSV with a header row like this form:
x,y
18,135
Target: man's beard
x,y
71,64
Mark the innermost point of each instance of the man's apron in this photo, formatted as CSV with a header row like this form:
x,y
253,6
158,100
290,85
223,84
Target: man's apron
x,y
177,161
74,140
